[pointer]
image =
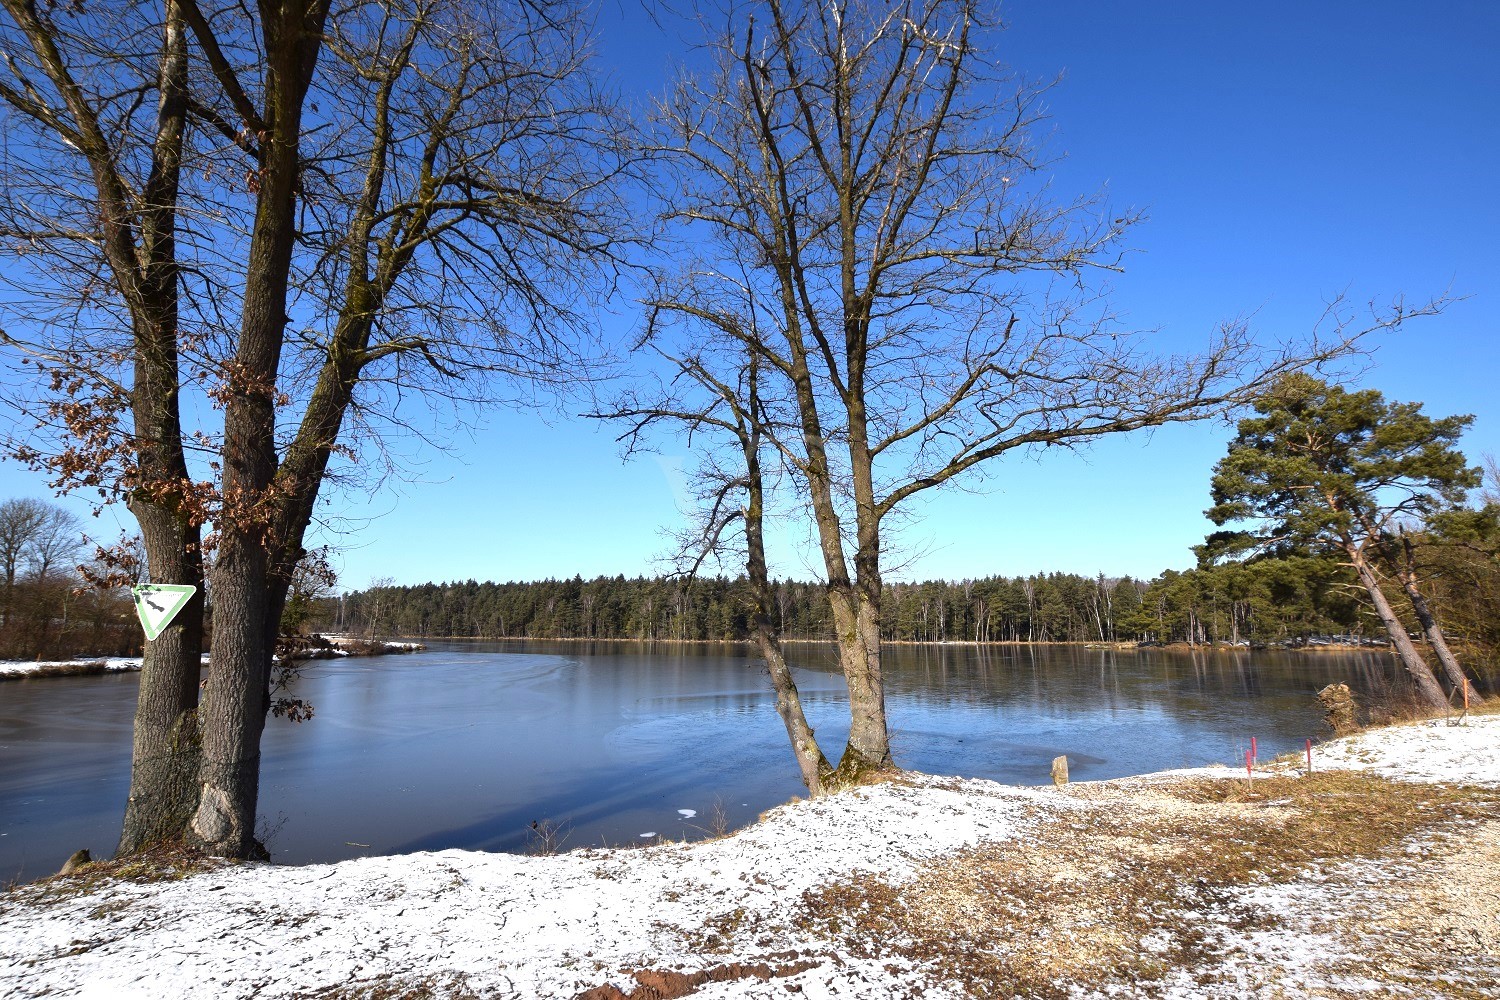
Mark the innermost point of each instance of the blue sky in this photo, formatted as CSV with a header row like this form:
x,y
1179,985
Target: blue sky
x,y
1285,153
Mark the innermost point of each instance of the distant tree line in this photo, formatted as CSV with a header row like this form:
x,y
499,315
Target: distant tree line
x,y
1267,601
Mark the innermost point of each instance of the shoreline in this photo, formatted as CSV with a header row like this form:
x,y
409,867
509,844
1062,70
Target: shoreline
x,y
340,646
93,666
1129,647
1182,883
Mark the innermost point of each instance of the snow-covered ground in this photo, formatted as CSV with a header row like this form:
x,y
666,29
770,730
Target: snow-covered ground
x,y
495,925
1441,750
1456,751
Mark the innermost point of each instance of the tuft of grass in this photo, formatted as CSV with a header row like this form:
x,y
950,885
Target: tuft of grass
x,y
546,838
716,825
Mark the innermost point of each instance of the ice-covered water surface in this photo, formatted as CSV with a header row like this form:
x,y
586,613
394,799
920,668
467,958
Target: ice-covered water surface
x,y
468,745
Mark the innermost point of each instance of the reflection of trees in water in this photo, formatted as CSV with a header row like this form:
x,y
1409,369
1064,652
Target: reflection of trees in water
x,y
1062,678
1077,678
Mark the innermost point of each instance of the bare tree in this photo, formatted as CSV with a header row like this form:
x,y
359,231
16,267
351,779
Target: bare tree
x,y
20,520
55,544
37,539
874,229
380,585
411,196
91,183
732,494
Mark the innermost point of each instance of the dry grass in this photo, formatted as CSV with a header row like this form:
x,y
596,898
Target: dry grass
x,y
1114,895
436,986
165,862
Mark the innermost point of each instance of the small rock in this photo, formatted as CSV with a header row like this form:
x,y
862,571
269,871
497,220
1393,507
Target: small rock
x,y
1060,770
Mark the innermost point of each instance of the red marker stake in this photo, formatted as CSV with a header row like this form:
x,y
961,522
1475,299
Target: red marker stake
x,y
1253,754
1250,767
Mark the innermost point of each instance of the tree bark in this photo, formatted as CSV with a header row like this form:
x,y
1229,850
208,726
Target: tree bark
x,y
165,747
869,747
233,716
856,619
1434,634
1427,685
811,761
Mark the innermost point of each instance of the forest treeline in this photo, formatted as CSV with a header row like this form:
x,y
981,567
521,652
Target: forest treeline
x,y
1273,600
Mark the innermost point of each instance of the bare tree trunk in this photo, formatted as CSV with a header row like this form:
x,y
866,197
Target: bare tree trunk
x,y
856,618
1436,640
811,761
857,625
165,745
869,747
816,771
234,715
1411,660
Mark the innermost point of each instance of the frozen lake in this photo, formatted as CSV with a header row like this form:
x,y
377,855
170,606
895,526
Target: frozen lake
x,y
466,744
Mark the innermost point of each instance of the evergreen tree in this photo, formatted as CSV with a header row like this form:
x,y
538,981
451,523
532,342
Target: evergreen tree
x,y
1319,468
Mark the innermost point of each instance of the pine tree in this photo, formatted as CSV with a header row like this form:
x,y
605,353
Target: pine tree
x,y
1324,469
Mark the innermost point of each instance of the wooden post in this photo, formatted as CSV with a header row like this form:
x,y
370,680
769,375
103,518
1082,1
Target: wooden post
x,y
1309,756
1060,771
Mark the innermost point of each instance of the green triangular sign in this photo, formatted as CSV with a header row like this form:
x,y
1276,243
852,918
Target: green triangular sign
x,y
156,604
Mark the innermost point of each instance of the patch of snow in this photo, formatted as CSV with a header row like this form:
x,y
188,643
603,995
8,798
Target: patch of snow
x,y
1459,752
511,926
687,813
550,927
1436,751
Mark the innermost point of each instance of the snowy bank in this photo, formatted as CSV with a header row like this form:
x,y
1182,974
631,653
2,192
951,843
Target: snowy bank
x,y
83,665
793,905
331,647
327,647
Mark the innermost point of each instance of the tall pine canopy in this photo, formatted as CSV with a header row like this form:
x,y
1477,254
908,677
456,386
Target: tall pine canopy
x,y
1318,466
